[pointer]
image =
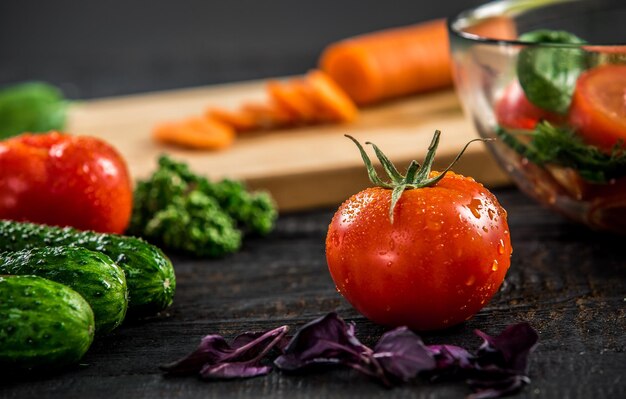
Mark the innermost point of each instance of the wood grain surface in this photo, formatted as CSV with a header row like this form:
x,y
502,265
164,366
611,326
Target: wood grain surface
x,y
567,281
302,168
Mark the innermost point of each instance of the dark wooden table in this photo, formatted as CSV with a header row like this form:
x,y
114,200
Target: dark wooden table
x,y
567,281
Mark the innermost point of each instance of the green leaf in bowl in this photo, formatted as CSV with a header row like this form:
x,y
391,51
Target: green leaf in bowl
x,y
548,74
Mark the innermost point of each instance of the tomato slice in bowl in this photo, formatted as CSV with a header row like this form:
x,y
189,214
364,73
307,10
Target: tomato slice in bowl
x,y
598,110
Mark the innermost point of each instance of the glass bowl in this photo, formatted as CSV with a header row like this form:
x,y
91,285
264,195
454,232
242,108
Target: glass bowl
x,y
557,112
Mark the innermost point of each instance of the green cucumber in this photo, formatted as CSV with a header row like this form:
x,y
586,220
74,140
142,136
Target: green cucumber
x,y
92,274
43,324
149,273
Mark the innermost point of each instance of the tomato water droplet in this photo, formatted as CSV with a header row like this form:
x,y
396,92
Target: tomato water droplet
x,y
501,247
491,213
389,264
475,206
470,281
494,265
346,281
485,229
334,238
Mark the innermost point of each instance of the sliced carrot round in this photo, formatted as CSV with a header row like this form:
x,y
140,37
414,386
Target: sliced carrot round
x,y
268,115
290,99
322,114
331,97
240,121
196,132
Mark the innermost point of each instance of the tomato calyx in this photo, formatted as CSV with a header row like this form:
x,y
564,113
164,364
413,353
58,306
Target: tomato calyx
x,y
416,176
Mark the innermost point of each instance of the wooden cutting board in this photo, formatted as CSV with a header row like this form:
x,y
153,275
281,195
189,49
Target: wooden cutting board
x,y
303,167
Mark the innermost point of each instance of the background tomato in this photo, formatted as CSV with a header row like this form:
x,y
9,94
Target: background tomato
x,y
598,110
442,259
514,111
64,180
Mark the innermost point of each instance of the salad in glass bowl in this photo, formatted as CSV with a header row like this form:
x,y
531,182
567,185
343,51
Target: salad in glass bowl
x,y
554,97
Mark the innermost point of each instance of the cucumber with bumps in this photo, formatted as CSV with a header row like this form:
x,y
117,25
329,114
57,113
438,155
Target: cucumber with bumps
x,y
149,273
92,274
43,324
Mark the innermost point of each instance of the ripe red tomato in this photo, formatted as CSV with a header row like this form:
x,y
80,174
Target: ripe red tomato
x,y
598,110
514,111
64,180
443,257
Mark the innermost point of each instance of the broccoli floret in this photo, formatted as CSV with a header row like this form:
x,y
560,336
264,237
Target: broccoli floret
x,y
195,224
187,212
255,211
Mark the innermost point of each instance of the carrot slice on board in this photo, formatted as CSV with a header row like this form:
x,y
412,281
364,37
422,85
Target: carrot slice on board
x,y
268,115
282,115
196,132
322,114
291,100
330,97
240,121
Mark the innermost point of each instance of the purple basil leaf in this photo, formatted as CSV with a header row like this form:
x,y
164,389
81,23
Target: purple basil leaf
x,y
510,348
253,346
485,389
241,357
225,371
212,349
325,340
245,338
451,355
402,354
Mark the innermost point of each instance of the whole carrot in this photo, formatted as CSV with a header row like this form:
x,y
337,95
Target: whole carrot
x,y
399,61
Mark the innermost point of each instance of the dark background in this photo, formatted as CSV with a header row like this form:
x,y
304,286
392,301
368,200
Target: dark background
x,y
105,48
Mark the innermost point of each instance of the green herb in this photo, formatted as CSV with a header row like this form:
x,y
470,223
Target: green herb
x,y
548,74
189,213
549,144
31,107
